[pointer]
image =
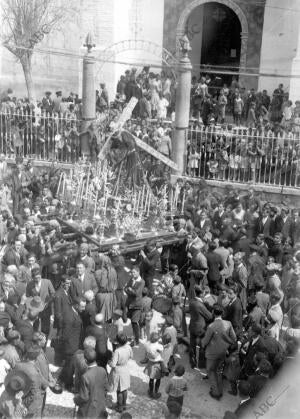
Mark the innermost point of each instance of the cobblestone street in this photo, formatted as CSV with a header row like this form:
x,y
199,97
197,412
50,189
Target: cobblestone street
x,y
197,402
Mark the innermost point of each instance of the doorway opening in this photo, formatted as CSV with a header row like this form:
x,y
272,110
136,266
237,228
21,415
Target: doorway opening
x,y
215,34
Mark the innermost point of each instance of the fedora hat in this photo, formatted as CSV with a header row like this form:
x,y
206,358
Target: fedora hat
x,y
17,380
35,304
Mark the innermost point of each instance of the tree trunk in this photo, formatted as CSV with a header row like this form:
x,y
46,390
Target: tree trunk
x,y
26,65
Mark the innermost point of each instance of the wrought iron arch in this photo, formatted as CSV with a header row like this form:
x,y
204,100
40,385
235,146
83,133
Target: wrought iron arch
x,y
168,59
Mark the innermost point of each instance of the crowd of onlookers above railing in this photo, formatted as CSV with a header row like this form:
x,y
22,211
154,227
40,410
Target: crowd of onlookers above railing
x,y
234,134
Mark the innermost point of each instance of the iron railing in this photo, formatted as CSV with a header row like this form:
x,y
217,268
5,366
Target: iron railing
x,y
40,135
244,155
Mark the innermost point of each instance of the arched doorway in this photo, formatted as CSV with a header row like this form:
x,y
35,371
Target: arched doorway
x,y
218,32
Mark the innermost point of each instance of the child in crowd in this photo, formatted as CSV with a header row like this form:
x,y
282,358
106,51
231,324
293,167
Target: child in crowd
x,y
177,314
146,308
175,390
154,368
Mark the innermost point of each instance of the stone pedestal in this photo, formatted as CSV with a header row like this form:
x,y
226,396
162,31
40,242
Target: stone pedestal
x,y
88,98
182,113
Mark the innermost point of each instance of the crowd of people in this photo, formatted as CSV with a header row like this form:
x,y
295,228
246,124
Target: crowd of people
x,y
229,287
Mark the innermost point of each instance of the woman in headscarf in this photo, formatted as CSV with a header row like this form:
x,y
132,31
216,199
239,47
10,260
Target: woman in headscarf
x,y
107,282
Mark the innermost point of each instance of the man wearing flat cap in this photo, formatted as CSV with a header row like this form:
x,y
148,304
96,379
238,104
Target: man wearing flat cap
x,y
47,103
57,102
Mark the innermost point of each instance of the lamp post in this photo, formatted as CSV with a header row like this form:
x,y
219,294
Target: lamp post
x,y
88,95
182,107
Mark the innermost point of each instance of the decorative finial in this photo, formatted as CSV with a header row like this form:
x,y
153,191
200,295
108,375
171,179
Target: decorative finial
x,y
185,46
89,42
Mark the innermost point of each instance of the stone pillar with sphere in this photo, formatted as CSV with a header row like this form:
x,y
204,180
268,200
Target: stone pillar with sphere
x,y
182,107
88,96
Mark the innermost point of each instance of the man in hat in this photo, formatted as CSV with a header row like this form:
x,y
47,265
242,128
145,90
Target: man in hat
x,y
91,397
33,399
57,102
41,289
47,102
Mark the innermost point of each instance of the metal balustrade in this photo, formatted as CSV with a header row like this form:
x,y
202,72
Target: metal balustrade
x,y
40,135
231,154
244,155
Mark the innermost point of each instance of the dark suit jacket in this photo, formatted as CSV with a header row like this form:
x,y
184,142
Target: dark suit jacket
x,y
199,316
267,229
215,264
284,227
11,258
78,288
92,393
217,221
148,265
62,304
234,314
72,332
134,294
218,338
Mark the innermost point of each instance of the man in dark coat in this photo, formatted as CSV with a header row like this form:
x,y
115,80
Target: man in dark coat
x,y
134,290
218,338
13,255
97,330
234,311
150,258
200,315
91,397
254,345
215,265
84,281
72,335
284,223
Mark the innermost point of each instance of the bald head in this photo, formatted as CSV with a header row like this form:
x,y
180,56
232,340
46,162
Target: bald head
x,y
99,319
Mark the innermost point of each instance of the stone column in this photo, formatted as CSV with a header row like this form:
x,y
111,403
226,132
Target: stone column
x,y
294,93
243,58
88,95
182,107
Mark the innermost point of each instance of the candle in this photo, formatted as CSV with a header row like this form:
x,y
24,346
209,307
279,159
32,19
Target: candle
x,y
171,201
149,201
64,184
138,202
142,200
96,199
60,177
183,199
